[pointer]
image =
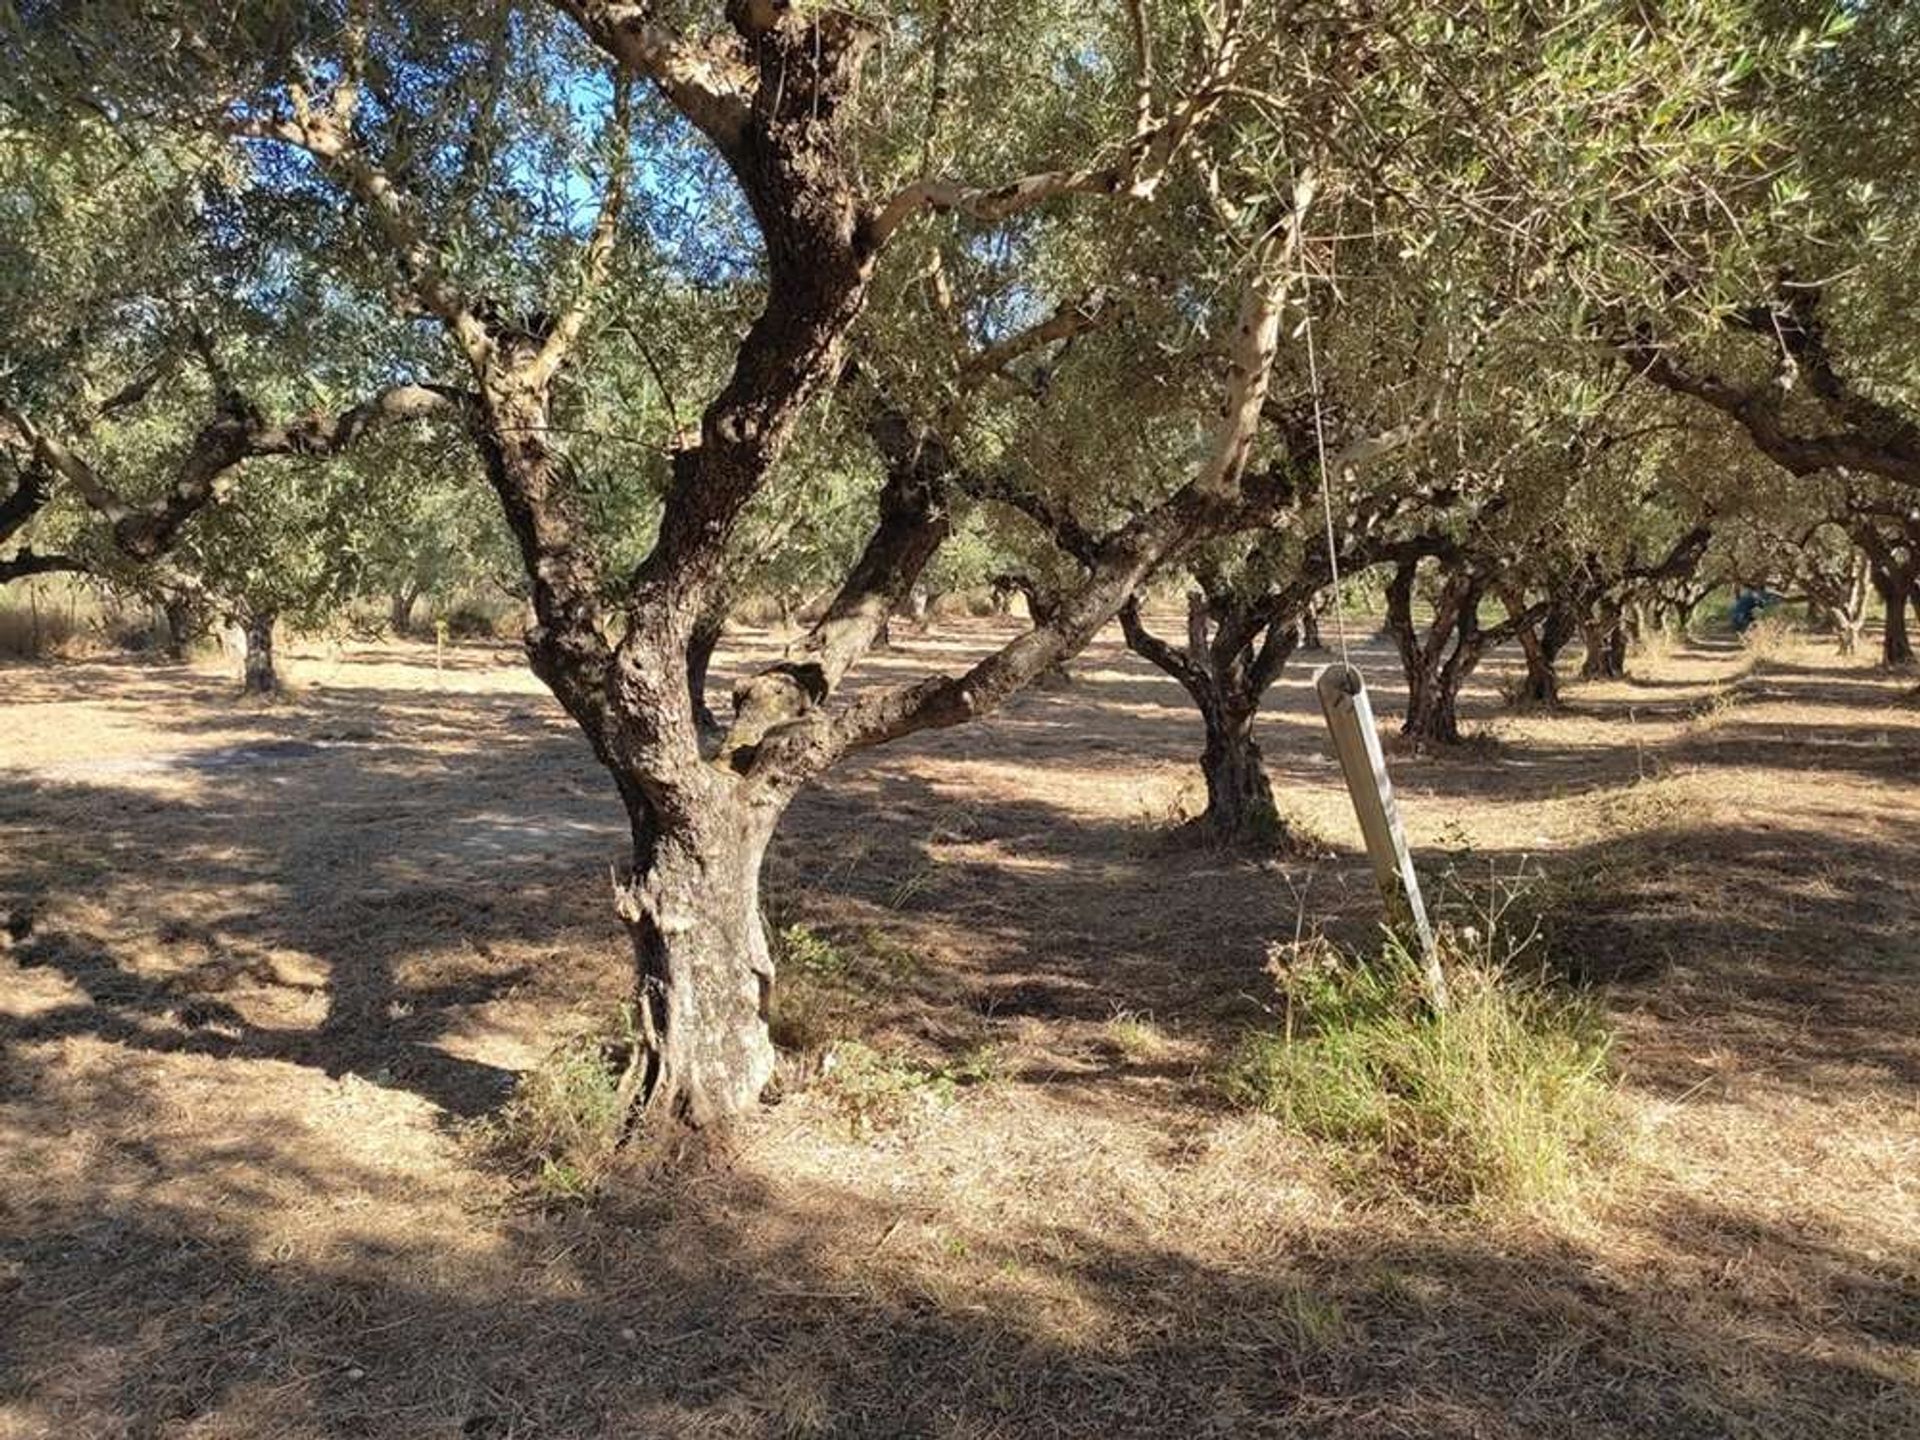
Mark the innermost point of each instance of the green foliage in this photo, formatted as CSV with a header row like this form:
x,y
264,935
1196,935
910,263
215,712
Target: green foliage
x,y
1134,1037
1503,1099
812,991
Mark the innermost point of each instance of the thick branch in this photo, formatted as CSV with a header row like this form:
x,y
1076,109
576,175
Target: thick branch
x,y
1055,520
31,491
1892,453
1119,565
1157,652
708,82
1792,324
914,521
1076,317
1681,560
143,532
25,562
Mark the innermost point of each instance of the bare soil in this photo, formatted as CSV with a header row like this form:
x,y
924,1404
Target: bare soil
x,y
269,964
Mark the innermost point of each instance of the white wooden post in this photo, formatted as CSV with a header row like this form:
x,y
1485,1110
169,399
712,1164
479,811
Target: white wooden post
x,y
1343,698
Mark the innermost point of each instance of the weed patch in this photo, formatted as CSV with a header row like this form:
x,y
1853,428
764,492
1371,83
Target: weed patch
x,y
1135,1037
1771,637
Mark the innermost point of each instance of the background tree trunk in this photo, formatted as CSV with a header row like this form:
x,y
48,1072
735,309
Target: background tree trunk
x,y
259,674
1240,806
1310,631
1433,680
183,626
1433,707
1606,643
1896,644
1542,684
400,608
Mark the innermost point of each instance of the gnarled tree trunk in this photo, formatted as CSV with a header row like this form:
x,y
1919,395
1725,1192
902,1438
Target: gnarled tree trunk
x,y
1438,664
1606,642
1541,687
1240,804
1433,678
1236,648
1042,606
780,101
705,975
1433,707
1542,636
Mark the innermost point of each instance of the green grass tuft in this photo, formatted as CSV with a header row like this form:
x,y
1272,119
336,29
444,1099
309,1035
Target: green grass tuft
x,y
564,1122
1505,1099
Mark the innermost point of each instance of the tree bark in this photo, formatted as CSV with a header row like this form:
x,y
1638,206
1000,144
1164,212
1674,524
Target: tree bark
x,y
1606,642
1236,648
1846,629
1894,588
1432,714
1437,665
1542,634
780,101
1433,709
1542,685
1310,630
1240,807
400,608
707,631
259,674
705,972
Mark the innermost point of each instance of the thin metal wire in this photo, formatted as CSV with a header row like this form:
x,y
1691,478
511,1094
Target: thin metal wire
x,y
1320,444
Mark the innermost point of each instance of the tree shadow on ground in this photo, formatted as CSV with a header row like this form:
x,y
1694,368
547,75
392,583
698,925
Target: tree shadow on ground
x,y
1071,921
349,910
343,907
453,839
717,1304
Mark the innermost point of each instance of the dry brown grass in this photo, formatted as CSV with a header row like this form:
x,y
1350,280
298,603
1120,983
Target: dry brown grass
x,y
268,991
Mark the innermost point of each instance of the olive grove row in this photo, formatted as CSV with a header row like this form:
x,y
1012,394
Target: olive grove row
x,y
1541,319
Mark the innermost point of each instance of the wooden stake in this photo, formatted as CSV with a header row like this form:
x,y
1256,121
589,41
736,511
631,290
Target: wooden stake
x,y
1343,699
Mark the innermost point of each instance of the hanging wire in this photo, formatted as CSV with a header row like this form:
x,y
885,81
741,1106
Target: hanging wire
x,y
1320,445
